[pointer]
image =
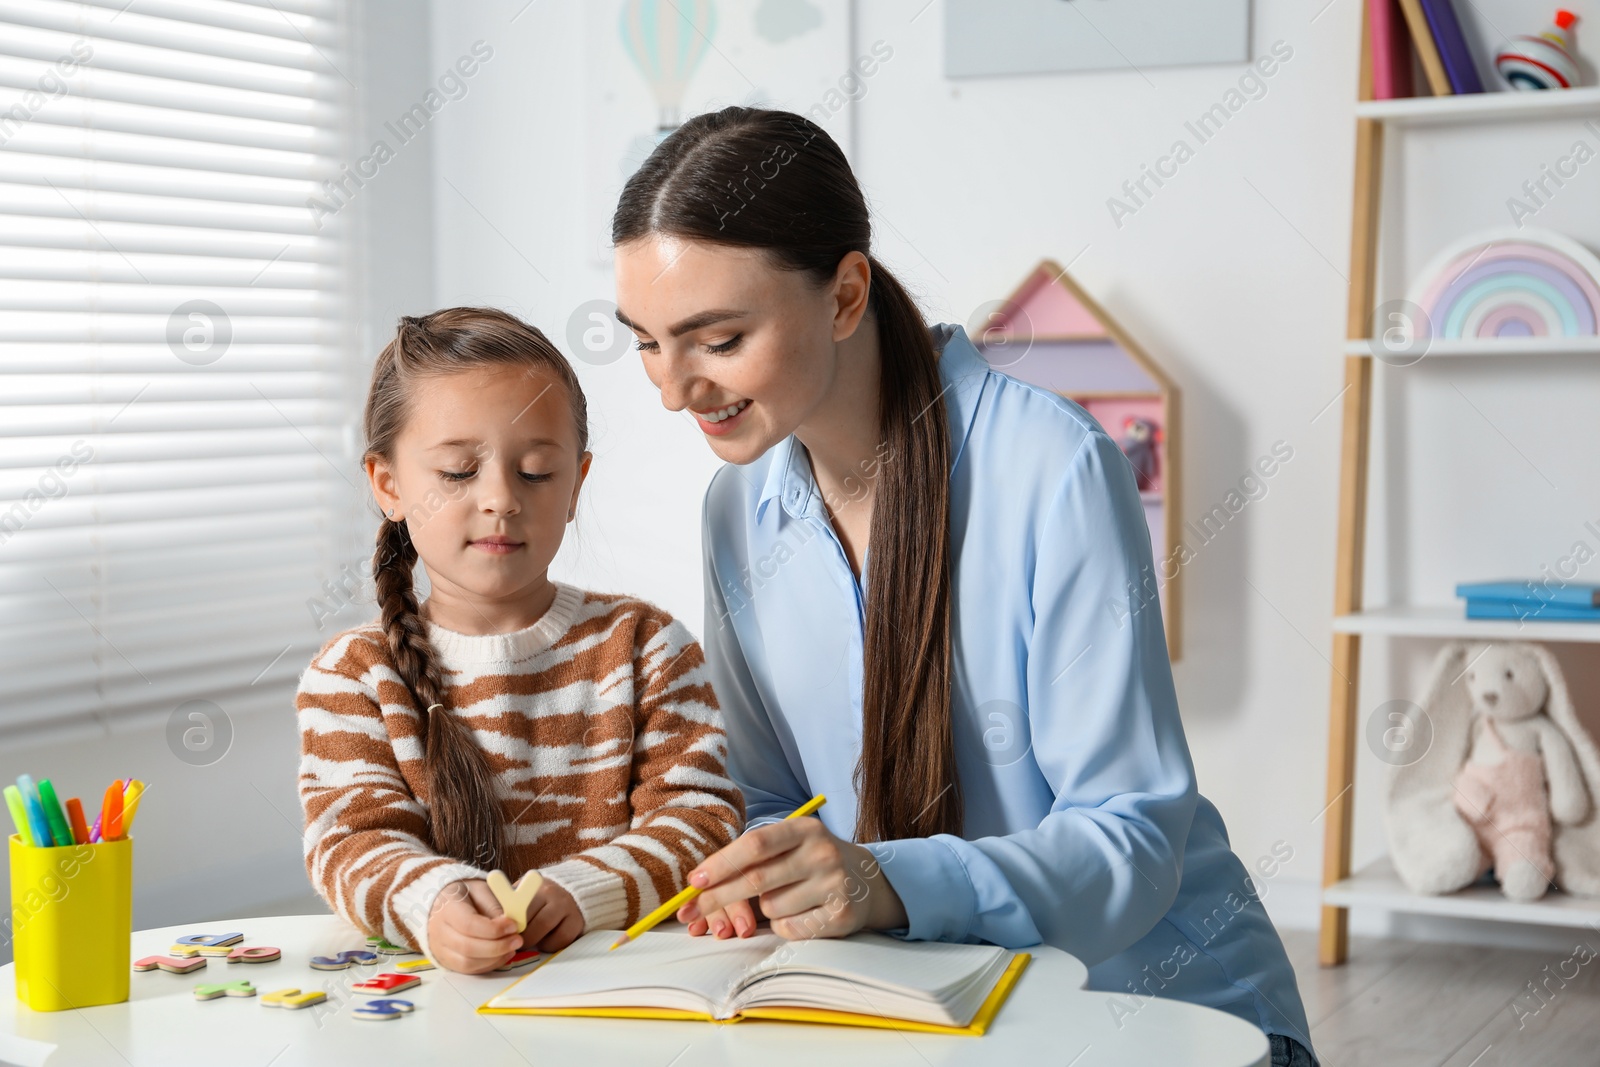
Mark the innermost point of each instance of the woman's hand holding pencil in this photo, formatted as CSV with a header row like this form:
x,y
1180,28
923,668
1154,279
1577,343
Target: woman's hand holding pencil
x,y
805,879
683,902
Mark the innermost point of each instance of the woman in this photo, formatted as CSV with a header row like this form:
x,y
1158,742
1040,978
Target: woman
x,y
925,598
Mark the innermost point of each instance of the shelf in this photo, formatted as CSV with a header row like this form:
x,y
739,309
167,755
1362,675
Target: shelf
x,y
1508,348
1377,886
1490,125
1508,106
1450,621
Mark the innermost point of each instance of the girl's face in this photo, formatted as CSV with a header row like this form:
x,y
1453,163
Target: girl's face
x,y
750,350
486,474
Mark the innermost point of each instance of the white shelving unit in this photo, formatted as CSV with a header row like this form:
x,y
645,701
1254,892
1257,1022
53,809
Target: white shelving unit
x,y
1377,886
1446,621
1434,205
1511,347
1481,107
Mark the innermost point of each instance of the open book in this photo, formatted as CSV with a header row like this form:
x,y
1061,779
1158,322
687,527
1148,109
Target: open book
x,y
864,980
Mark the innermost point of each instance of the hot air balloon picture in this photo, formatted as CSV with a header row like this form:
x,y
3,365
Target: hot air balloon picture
x,y
653,64
667,40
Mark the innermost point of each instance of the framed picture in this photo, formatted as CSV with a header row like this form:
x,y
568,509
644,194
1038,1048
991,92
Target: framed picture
x,y
989,37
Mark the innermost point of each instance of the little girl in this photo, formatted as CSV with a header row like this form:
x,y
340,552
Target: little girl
x,y
509,721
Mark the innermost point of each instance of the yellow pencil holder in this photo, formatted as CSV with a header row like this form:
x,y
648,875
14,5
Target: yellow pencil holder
x,y
72,923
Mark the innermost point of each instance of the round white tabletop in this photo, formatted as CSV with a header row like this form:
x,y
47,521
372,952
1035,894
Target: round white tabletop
x,y
1049,1018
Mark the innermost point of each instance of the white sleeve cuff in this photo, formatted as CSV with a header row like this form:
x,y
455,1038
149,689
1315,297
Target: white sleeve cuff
x,y
602,895
411,906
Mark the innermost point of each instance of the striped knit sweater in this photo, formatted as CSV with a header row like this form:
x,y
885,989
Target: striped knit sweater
x,y
603,734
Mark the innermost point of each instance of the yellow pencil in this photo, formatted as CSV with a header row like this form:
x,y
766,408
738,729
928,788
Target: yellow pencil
x,y
690,892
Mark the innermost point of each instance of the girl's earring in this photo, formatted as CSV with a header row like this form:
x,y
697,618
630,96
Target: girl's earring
x,y
390,514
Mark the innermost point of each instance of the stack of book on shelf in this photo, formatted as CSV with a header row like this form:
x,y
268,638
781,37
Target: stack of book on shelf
x,y
1531,600
1403,32
1431,26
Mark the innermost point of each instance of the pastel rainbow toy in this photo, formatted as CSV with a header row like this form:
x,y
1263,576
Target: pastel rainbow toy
x,y
1542,62
1509,283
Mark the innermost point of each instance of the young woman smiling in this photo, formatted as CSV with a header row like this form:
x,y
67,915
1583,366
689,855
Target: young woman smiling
x,y
922,600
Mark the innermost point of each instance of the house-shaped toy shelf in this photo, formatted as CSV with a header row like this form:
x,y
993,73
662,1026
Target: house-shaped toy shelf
x,y
1053,334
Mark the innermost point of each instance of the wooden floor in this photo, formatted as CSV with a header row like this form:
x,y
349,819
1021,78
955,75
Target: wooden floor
x,y
1424,1004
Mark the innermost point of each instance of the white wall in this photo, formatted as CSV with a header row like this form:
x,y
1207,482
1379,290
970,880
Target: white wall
x,y
1233,273
510,204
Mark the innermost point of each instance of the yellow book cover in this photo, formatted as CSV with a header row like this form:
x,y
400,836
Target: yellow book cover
x,y
865,980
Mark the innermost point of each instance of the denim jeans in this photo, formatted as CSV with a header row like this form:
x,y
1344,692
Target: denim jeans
x,y
1287,1052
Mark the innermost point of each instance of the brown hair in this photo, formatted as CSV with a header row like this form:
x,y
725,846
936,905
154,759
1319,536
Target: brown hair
x,y
776,181
464,812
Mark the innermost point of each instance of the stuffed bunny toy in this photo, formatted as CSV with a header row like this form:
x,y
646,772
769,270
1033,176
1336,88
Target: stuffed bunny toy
x,y
1508,782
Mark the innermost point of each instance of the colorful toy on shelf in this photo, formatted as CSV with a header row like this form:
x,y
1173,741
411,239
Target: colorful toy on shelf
x,y
1506,283
1139,440
1506,780
1542,62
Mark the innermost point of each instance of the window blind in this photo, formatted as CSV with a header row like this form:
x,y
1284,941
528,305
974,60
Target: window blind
x,y
177,455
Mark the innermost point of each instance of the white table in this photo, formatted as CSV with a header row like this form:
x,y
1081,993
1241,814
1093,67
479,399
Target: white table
x,y
1048,1019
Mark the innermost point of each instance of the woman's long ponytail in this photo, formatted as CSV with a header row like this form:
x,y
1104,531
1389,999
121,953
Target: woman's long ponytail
x,y
906,781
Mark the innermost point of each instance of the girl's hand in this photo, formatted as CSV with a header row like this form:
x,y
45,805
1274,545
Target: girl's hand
x,y
554,921
467,930
807,881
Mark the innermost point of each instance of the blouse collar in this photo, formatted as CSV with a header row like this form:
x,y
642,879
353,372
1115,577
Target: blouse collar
x,y
962,372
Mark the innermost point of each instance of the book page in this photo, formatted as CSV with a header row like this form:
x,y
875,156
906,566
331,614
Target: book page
x,y
655,970
933,968
867,973
872,974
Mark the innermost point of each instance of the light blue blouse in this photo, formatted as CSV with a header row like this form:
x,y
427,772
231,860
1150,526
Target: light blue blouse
x,y
1084,828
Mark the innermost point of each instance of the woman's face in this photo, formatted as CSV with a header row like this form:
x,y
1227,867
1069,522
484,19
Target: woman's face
x,y
750,350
